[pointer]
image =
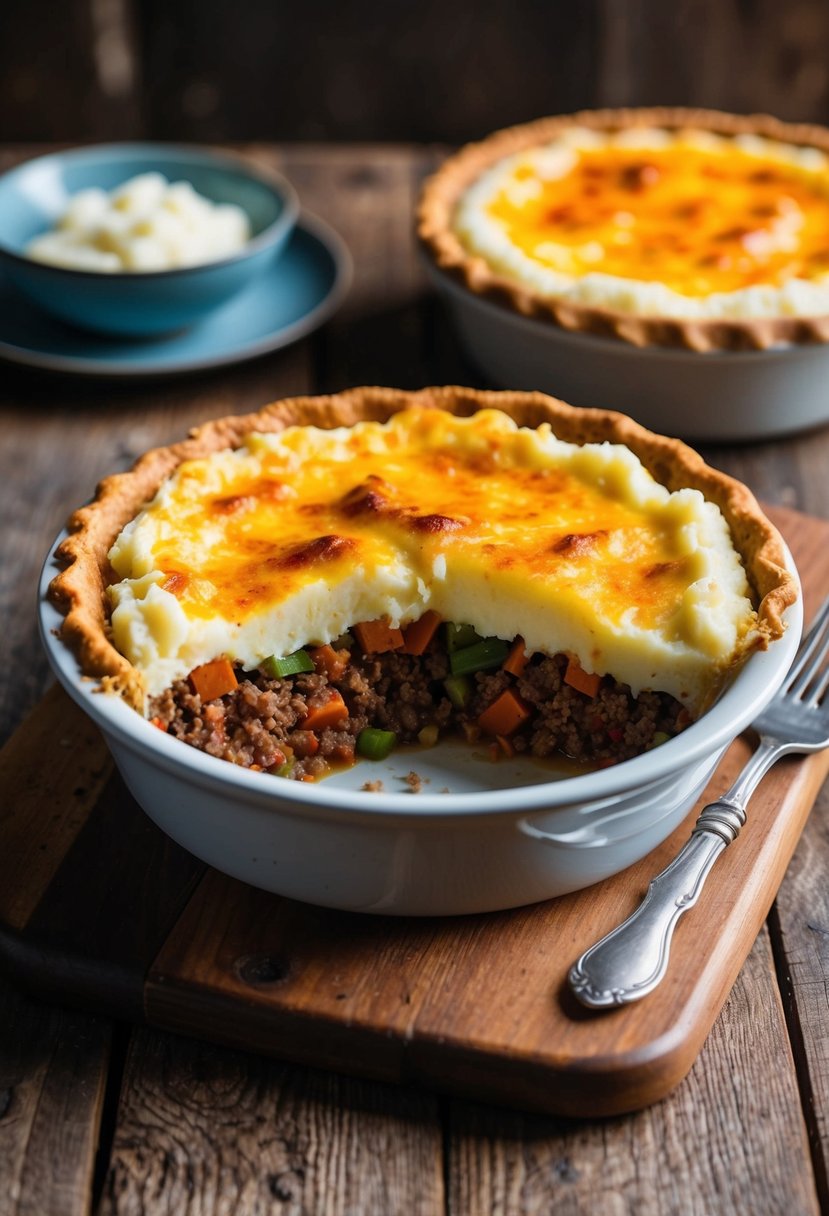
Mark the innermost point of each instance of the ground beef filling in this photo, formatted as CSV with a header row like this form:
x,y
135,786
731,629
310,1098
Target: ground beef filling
x,y
260,723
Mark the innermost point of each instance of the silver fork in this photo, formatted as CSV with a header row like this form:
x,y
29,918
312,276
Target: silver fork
x,y
631,960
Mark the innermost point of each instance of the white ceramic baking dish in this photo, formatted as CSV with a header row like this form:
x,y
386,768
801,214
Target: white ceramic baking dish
x,y
481,835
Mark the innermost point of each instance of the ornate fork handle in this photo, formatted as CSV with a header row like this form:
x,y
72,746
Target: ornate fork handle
x,y
632,959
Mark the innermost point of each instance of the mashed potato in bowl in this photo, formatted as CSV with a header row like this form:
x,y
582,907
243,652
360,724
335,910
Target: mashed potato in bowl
x,y
146,224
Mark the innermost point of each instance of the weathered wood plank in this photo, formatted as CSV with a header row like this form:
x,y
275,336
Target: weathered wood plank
x,y
65,772
775,472
210,1131
731,1139
363,70
111,68
802,930
377,338
743,56
95,930
69,71
52,1075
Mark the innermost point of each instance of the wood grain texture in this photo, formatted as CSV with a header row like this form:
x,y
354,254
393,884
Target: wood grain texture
x,y
69,784
95,929
802,942
52,1075
735,1118
174,69
220,1132
377,338
69,71
361,71
743,56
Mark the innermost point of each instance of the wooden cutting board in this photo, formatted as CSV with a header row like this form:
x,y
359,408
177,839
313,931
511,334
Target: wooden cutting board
x,y
99,908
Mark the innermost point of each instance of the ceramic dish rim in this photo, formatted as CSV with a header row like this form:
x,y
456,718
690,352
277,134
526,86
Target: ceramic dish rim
x,y
115,717
540,326
274,181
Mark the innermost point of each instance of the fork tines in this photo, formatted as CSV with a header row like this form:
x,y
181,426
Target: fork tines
x,y
806,678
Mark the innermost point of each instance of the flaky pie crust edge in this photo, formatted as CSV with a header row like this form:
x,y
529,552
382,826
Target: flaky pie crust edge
x,y
79,590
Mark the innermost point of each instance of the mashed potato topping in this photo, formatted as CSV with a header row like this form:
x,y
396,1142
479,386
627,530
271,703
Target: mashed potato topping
x,y
296,536
686,224
145,224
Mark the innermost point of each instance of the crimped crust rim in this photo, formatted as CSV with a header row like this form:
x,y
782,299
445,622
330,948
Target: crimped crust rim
x,y
79,590
441,191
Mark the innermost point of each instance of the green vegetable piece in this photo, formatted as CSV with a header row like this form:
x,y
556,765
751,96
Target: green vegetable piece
x,y
460,636
375,744
283,770
290,665
659,737
489,653
458,690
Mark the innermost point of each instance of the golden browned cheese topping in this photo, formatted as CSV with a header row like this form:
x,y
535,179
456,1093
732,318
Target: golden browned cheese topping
x,y
681,224
300,535
676,215
529,523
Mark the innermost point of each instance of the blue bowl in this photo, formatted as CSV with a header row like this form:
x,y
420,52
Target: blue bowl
x,y
139,303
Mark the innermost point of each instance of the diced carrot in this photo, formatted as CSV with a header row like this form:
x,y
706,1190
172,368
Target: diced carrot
x,y
504,715
213,679
328,661
329,713
376,637
418,635
304,743
159,723
583,681
517,659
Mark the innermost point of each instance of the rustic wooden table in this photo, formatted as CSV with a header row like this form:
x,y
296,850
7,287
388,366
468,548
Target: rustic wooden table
x,y
101,1117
